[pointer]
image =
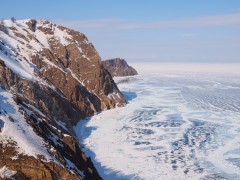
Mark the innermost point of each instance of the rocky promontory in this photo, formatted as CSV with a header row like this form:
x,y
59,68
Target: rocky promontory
x,y
119,67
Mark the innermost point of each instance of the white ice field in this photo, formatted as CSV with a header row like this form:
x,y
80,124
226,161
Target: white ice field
x,y
181,122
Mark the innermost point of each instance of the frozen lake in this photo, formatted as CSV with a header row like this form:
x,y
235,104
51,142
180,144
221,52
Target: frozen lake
x,y
177,125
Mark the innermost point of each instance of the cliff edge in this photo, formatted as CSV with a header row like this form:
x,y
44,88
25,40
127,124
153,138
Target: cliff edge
x,y
50,78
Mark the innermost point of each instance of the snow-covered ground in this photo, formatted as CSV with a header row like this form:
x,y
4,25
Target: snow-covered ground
x,y
178,125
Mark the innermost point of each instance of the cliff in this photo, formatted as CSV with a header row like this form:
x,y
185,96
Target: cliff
x,y
50,78
119,67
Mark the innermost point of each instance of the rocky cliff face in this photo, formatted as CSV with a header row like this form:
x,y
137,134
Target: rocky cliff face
x,y
50,78
119,67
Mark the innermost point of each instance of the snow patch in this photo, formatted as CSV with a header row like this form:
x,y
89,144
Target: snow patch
x,y
72,166
42,38
21,68
62,36
6,173
85,57
34,109
61,124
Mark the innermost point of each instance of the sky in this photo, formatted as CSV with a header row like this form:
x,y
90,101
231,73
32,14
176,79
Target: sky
x,y
145,30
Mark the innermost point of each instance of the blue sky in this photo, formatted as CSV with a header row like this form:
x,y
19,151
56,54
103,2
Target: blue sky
x,y
146,30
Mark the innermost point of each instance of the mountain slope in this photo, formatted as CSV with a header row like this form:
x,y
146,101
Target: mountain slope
x,y
50,78
119,67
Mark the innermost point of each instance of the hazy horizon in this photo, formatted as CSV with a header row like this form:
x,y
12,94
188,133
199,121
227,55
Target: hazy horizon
x,y
192,68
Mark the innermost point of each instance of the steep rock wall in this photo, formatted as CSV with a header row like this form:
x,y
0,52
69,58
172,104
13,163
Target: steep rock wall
x,y
50,78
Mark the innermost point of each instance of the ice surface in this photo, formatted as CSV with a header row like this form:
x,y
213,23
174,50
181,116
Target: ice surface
x,y
176,126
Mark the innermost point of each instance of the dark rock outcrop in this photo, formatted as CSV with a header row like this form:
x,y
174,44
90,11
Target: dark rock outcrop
x,y
119,67
67,83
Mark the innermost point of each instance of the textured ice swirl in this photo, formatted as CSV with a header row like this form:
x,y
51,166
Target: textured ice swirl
x,y
176,126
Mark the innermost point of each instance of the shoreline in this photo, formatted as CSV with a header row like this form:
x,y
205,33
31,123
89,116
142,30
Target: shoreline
x,y
82,132
106,173
119,139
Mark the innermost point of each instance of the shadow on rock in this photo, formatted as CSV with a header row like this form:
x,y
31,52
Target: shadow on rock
x,y
129,95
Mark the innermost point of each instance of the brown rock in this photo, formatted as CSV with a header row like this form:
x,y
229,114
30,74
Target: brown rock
x,y
119,67
31,168
69,84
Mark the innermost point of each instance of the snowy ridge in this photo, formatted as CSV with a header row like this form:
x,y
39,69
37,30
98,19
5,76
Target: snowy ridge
x,y
18,59
20,44
29,43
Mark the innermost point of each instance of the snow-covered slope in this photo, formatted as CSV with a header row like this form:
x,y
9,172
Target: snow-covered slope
x,y
16,130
